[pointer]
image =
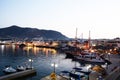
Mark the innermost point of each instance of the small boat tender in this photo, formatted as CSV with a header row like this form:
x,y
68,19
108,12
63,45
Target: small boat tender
x,y
9,69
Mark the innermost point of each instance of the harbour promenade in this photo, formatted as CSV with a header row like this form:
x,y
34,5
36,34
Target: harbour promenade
x,y
114,75
113,70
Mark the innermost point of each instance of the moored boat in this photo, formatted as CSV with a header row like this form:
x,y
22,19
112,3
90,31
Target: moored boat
x,y
21,68
71,75
9,69
89,60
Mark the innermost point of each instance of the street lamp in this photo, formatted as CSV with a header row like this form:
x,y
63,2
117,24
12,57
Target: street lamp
x,y
109,56
30,60
106,65
88,69
54,65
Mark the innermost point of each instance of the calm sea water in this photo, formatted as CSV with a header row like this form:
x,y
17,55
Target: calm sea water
x,y
42,60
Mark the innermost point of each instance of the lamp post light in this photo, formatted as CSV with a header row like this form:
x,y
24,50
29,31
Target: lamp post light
x,y
88,69
30,60
106,65
109,56
54,65
92,51
99,78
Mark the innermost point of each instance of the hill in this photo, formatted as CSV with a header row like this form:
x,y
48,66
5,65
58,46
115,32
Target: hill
x,y
19,32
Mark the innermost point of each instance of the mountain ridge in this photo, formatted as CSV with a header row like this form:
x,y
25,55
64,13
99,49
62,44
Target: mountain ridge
x,y
26,32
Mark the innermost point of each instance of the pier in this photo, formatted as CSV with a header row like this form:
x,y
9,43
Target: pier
x,y
20,74
114,74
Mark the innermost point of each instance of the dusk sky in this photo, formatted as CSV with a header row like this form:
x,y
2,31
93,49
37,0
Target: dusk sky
x,y
101,17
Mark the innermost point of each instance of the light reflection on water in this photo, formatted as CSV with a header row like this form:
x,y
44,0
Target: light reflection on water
x,y
42,57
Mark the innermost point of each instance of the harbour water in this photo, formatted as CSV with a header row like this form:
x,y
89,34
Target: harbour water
x,y
42,60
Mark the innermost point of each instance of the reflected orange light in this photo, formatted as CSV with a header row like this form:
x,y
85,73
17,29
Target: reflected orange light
x,y
36,50
48,50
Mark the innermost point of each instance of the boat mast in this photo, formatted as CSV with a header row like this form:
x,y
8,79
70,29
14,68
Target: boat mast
x,y
76,44
76,35
89,41
82,37
76,38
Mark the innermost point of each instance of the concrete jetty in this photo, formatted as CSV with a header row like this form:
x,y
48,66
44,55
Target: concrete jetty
x,y
114,75
18,74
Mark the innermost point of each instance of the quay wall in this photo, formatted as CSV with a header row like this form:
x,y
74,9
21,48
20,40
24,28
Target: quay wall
x,y
114,74
18,74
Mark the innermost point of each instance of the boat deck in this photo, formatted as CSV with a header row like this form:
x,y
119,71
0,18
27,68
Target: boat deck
x,y
58,77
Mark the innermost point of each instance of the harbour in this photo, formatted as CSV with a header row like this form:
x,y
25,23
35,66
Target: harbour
x,y
59,40
42,58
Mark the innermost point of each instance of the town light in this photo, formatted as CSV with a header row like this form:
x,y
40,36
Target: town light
x,y
92,50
